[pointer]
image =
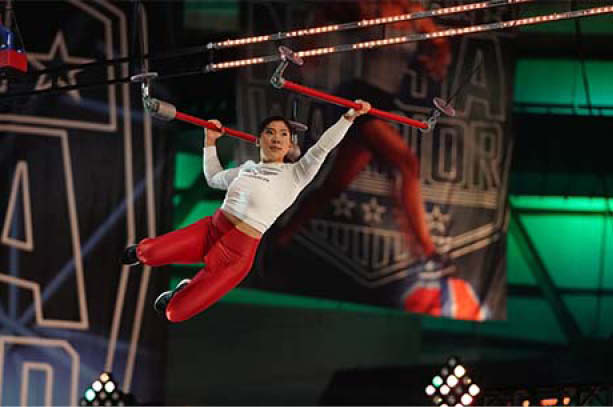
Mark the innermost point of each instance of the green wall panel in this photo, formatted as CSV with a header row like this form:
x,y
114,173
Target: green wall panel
x,y
188,169
561,203
605,325
223,15
199,211
518,268
607,276
560,81
583,308
592,314
558,88
527,319
598,25
570,241
569,246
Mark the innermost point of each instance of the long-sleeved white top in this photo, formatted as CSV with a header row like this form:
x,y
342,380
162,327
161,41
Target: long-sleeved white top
x,y
258,193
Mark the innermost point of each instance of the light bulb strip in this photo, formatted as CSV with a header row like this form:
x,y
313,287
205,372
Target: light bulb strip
x,y
364,23
452,32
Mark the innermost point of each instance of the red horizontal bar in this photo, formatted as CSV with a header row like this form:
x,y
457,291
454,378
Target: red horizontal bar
x,y
208,125
348,103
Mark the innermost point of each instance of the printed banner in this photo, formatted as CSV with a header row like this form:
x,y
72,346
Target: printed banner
x,y
363,230
77,184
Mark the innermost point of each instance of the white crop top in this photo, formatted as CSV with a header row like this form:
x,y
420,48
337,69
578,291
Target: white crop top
x,y
259,193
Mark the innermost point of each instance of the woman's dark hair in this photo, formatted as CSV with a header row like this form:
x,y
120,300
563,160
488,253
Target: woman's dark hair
x,y
271,119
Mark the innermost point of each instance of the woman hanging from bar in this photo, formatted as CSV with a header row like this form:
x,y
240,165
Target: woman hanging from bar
x,y
227,241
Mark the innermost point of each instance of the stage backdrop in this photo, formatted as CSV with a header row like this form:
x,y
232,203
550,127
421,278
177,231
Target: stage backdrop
x,y
80,178
350,244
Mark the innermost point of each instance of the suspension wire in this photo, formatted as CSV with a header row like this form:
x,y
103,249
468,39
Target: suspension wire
x,y
465,82
184,52
364,23
314,52
92,85
452,32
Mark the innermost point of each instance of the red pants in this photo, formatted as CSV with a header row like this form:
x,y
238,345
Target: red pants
x,y
227,253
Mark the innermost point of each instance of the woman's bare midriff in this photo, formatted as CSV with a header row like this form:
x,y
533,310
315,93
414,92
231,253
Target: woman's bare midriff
x,y
242,226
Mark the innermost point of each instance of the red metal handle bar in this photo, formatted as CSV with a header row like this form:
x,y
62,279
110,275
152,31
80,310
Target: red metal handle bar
x,y
208,125
348,103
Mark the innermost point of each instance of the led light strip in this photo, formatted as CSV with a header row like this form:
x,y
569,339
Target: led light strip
x,y
418,37
364,23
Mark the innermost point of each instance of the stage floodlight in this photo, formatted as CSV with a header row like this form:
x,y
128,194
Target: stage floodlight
x,y
452,386
459,371
104,392
466,399
97,386
90,394
474,390
452,381
109,387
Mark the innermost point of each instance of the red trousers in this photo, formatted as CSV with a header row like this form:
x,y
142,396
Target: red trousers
x,y
227,253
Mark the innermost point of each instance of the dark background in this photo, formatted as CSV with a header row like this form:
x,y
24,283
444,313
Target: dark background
x,y
258,348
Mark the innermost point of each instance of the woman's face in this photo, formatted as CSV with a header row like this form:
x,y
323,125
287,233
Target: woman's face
x,y
275,142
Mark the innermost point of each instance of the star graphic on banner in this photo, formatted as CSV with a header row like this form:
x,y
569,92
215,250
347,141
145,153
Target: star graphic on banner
x,y
373,212
438,220
343,206
57,55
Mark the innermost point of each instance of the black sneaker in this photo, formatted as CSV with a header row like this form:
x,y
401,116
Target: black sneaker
x,y
163,299
437,266
129,256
